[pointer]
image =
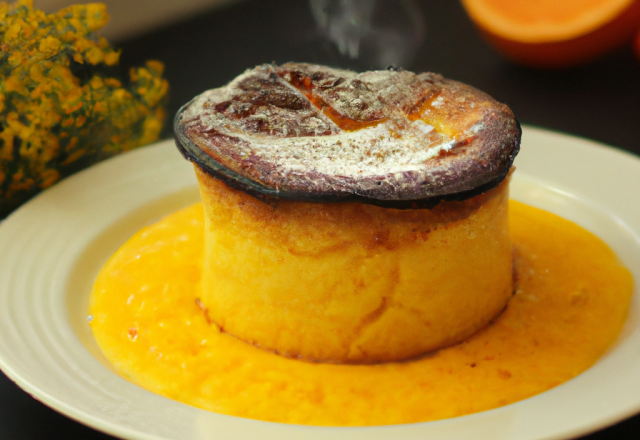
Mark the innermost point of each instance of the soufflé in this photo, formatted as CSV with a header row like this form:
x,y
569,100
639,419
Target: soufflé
x,y
351,217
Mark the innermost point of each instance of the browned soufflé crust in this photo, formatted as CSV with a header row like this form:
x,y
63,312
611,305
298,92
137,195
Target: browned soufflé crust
x,y
390,137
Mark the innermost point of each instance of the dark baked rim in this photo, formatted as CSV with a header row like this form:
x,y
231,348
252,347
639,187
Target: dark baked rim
x,y
209,165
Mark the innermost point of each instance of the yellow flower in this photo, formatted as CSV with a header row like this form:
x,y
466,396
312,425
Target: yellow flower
x,y
96,16
94,55
52,122
49,46
49,177
112,82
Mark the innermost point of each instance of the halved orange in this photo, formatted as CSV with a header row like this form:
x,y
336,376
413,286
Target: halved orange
x,y
555,33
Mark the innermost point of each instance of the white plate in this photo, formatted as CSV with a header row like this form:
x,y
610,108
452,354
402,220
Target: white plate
x,y
53,247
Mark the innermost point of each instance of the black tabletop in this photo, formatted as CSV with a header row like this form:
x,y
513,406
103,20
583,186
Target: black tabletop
x,y
600,101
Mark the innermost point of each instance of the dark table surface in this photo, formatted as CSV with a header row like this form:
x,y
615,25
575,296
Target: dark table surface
x,y
600,101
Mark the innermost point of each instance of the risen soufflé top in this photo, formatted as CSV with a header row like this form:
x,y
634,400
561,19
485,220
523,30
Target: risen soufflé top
x,y
314,132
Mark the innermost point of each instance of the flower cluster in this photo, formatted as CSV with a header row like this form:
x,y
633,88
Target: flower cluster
x,y
60,108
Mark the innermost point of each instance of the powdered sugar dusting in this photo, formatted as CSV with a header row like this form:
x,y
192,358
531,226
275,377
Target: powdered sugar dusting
x,y
317,144
380,134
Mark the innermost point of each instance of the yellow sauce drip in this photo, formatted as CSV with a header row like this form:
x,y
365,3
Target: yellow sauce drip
x,y
571,302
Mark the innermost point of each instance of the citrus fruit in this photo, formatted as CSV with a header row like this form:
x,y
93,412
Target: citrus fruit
x,y
555,33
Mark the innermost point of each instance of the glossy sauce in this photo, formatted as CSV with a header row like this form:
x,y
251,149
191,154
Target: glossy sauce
x,y
571,302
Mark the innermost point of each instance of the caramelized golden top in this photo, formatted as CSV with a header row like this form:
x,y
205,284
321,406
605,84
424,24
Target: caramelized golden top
x,y
301,129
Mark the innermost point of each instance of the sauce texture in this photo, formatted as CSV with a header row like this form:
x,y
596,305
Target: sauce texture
x,y
571,302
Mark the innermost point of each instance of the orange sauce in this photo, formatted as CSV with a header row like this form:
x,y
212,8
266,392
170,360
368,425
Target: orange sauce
x,y
570,304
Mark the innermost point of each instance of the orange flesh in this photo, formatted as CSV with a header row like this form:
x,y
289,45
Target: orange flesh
x,y
548,20
553,11
571,302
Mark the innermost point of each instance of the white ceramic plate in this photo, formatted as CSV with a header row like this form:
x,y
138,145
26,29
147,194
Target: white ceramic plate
x,y
53,247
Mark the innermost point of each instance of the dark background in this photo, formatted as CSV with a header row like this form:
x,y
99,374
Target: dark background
x,y
600,101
